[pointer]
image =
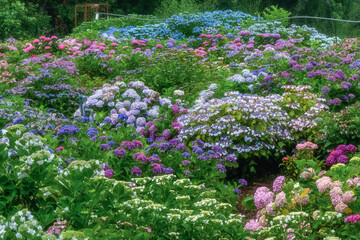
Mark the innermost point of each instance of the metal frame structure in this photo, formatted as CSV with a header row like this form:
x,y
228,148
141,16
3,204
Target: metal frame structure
x,y
91,6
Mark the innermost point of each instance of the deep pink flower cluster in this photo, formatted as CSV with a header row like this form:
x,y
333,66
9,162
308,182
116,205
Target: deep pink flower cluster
x,y
339,155
352,218
131,145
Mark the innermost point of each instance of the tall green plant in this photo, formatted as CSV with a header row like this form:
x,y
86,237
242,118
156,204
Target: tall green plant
x,y
274,12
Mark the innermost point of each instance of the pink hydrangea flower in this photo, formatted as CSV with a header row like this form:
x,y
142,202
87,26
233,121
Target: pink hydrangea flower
x,y
280,199
341,207
278,182
263,197
323,183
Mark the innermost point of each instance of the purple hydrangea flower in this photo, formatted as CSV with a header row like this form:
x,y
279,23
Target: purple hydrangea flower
x,y
230,159
186,172
185,162
278,183
111,143
237,190
104,166
243,182
174,142
92,132
157,168
343,159
109,173
217,149
136,171
168,170
181,147
221,168
325,90
105,147
68,130
122,117
119,152
185,155
331,160
199,142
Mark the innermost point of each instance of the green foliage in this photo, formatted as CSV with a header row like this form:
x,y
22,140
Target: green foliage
x,y
20,20
248,203
168,8
274,12
90,29
250,7
340,128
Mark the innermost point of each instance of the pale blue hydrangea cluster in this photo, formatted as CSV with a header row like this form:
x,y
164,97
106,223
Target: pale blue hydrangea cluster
x,y
136,101
294,31
179,26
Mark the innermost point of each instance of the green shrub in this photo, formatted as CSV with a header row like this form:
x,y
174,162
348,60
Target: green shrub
x,y
20,20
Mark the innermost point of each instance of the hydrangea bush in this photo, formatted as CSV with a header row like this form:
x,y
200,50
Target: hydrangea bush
x,y
251,126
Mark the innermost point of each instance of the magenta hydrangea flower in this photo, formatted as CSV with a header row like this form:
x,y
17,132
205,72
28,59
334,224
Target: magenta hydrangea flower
x,y
351,148
138,144
157,168
139,156
352,218
109,173
331,160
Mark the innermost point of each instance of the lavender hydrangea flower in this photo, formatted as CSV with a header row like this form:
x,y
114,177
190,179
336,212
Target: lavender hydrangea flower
x,y
221,168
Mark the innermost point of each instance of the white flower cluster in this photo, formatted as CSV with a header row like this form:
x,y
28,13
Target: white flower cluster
x,y
40,157
207,202
21,224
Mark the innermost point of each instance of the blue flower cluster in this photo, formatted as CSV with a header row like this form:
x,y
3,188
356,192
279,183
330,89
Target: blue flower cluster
x,y
180,26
